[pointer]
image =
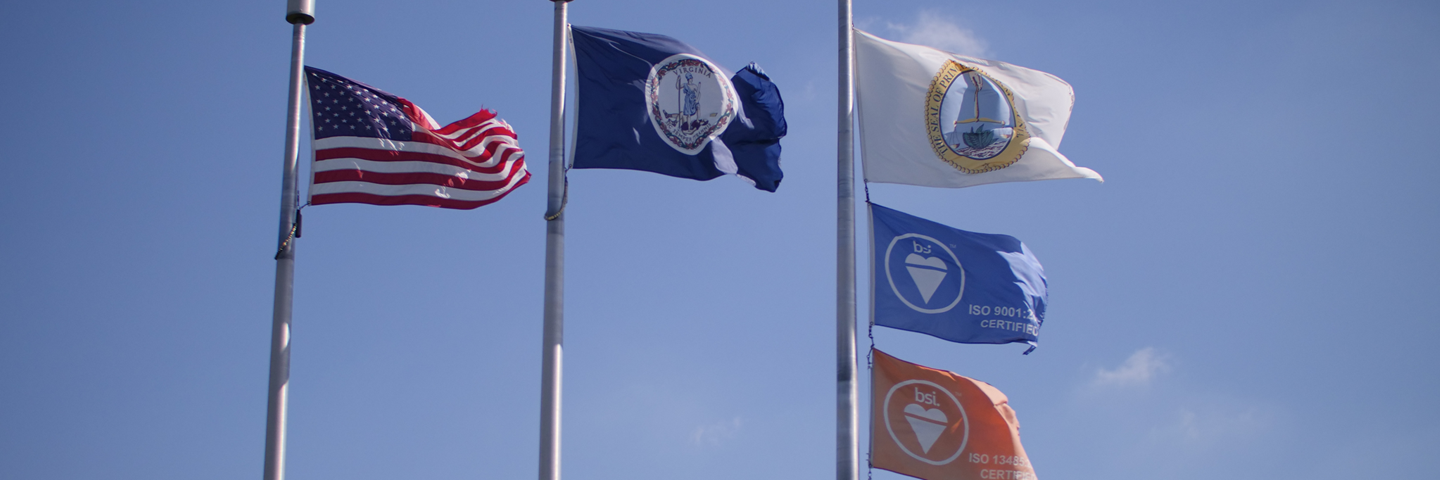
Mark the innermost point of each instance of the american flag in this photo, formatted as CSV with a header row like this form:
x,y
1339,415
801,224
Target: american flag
x,y
376,148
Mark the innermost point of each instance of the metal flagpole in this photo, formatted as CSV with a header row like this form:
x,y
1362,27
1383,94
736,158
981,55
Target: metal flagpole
x,y
847,445
299,13
554,336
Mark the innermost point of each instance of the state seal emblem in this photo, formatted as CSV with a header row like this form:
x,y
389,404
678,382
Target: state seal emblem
x,y
971,120
690,101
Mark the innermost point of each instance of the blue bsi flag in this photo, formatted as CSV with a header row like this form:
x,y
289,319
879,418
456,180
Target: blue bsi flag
x,y
952,284
650,102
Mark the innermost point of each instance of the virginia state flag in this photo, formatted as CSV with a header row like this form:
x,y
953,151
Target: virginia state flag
x,y
938,119
650,102
952,284
936,425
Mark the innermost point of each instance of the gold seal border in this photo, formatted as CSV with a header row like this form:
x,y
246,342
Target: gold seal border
x,y
1019,142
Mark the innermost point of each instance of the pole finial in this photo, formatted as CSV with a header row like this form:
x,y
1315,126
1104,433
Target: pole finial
x,y
300,11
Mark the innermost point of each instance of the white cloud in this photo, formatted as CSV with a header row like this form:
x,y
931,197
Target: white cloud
x,y
715,433
1142,366
934,29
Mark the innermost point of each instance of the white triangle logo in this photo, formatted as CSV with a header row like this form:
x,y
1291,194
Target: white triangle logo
x,y
923,270
927,424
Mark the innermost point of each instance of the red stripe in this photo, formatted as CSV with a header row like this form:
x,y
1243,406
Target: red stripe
x,y
395,156
469,140
497,130
413,178
431,138
413,111
473,120
423,200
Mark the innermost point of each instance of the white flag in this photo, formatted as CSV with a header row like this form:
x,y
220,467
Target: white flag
x,y
938,119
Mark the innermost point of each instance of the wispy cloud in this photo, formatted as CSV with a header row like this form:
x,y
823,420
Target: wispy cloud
x,y
935,29
1142,366
713,434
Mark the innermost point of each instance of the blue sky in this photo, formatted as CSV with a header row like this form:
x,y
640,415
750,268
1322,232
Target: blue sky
x,y
1250,294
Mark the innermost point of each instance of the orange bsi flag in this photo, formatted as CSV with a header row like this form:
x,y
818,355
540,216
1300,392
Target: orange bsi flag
x,y
937,425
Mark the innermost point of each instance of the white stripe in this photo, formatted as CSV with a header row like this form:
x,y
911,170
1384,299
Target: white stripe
x,y
506,143
399,190
405,167
420,147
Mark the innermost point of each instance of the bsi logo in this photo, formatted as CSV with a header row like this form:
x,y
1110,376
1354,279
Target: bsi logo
x,y
924,273
932,420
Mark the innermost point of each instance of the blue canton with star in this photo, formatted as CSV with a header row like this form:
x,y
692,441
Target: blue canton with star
x,y
343,107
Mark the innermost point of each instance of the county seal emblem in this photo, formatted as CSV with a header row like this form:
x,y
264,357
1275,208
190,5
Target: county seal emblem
x,y
971,120
690,101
